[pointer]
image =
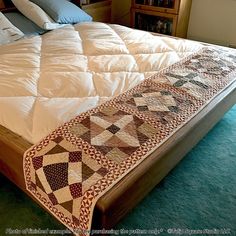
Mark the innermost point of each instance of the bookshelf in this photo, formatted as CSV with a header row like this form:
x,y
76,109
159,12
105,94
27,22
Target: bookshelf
x,y
169,17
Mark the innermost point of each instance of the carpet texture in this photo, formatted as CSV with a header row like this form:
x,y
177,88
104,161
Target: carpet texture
x,y
200,193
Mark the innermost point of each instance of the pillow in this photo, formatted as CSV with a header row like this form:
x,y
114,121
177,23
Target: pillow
x,y
63,11
24,24
35,14
8,32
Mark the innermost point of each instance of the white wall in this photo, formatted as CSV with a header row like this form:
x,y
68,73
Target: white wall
x,y
121,12
213,21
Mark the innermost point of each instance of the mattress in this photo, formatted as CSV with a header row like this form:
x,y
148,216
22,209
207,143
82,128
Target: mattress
x,y
47,80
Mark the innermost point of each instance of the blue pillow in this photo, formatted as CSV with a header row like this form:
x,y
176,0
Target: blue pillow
x,y
63,11
24,24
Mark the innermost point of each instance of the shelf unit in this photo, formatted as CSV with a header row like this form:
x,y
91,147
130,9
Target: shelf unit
x,y
169,17
100,10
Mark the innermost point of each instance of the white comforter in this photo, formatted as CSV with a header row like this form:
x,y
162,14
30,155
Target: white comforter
x,y
47,80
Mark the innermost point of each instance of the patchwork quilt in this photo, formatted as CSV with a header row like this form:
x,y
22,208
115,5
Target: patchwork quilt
x,y
81,160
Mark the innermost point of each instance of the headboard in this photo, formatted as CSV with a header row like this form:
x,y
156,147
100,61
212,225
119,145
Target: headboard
x,y
6,5
2,5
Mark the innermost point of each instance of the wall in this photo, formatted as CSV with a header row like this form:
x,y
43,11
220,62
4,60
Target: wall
x,y
213,21
121,12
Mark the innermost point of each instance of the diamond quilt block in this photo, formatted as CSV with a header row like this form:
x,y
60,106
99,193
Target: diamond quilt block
x,y
160,101
64,174
193,83
214,67
115,133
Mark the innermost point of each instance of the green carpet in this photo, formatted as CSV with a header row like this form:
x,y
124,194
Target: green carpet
x,y
200,193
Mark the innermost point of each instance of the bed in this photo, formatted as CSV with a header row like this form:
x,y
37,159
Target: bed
x,y
84,74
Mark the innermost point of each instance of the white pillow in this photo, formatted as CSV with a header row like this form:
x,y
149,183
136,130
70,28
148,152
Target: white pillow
x,y
36,14
8,32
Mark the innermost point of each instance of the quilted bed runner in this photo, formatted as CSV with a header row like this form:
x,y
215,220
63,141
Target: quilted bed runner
x,y
81,160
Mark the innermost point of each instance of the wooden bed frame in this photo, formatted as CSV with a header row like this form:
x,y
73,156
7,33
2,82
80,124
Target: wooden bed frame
x,y
114,204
